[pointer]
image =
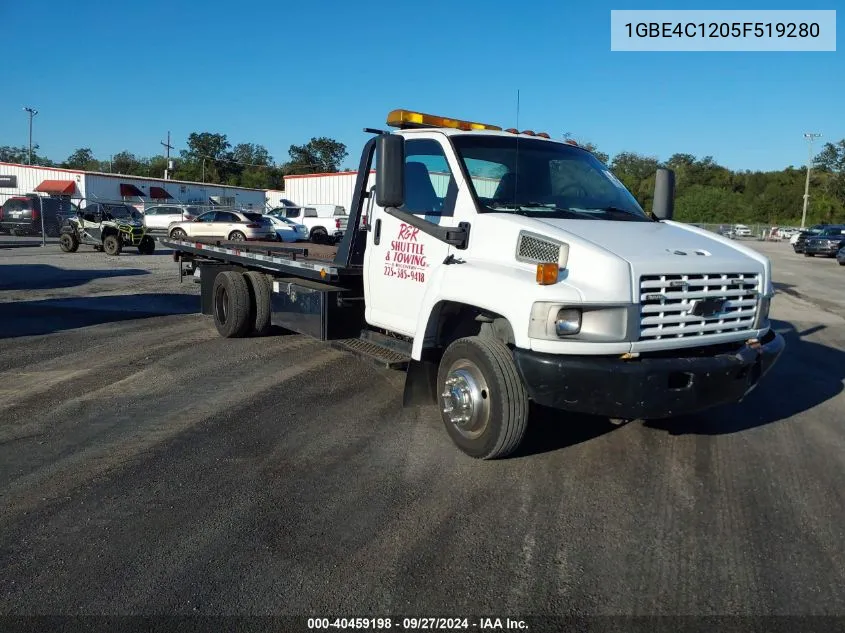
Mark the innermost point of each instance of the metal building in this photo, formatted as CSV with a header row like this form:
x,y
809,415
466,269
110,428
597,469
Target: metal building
x,y
134,190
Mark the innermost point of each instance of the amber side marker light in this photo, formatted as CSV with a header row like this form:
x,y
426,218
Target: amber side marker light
x,y
547,273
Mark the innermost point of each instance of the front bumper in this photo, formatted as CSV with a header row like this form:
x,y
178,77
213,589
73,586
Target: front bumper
x,y
815,249
646,388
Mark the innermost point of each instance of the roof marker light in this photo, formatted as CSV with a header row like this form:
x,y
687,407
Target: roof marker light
x,y
409,119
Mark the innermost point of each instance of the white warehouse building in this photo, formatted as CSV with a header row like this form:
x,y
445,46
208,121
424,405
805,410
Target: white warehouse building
x,y
134,190
337,188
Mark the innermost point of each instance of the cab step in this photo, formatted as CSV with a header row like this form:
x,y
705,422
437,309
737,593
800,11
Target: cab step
x,y
367,346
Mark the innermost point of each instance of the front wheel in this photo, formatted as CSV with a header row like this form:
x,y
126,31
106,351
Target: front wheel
x,y
112,245
147,246
178,234
482,400
68,243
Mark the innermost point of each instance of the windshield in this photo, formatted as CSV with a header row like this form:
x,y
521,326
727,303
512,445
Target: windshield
x,y
119,212
542,179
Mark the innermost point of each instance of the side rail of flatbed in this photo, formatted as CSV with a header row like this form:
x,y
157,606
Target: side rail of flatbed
x,y
274,259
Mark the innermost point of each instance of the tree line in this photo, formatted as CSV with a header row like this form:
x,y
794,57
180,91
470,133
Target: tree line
x,y
706,192
209,157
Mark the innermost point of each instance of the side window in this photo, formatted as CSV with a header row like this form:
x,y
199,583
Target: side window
x,y
292,213
222,216
430,187
151,211
207,217
310,213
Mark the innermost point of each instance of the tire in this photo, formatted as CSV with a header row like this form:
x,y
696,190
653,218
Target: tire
x,y
319,235
485,373
260,292
178,234
237,236
147,246
808,254
112,245
842,263
68,243
234,314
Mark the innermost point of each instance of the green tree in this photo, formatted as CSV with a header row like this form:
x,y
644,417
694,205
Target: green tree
x,y
603,158
319,155
126,163
82,158
20,155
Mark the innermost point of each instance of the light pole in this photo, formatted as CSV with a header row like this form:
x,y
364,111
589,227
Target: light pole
x,y
810,136
32,113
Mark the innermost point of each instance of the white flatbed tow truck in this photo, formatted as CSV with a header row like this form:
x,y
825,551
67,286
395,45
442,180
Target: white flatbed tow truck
x,y
500,267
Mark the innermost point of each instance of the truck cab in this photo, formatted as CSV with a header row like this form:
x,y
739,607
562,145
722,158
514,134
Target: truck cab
x,y
507,268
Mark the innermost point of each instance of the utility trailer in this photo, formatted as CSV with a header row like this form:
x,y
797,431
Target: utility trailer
x,y
499,268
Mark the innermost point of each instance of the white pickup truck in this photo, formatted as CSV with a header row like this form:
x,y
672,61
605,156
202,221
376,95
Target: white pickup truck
x,y
501,267
325,226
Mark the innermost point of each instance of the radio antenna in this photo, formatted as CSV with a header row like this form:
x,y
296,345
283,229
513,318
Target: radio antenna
x,y
516,161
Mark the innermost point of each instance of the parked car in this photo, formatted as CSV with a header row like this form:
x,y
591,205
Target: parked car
x,y
826,243
801,238
740,230
234,226
22,215
840,256
288,230
322,229
159,217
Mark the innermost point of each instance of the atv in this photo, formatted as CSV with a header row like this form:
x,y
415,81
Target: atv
x,y
106,227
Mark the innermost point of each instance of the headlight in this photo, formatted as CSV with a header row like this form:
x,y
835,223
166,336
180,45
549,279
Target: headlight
x,y
552,321
568,321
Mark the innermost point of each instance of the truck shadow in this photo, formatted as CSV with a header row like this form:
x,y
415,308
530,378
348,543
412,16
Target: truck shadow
x,y
807,375
30,318
45,276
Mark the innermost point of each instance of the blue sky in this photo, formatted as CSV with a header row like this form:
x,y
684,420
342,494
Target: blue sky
x,y
114,76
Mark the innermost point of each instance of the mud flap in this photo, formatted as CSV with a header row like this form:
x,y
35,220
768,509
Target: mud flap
x,y
420,384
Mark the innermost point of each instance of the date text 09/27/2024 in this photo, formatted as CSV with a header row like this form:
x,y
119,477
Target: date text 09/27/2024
x,y
415,624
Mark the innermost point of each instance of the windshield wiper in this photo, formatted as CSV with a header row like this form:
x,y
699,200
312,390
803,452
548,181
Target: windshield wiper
x,y
621,211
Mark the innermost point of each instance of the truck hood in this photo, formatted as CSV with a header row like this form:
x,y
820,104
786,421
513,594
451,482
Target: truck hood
x,y
659,247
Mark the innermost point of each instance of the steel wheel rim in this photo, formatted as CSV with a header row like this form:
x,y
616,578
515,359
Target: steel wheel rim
x,y
466,399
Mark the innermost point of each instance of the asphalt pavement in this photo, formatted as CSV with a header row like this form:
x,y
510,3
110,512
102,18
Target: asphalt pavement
x,y
148,466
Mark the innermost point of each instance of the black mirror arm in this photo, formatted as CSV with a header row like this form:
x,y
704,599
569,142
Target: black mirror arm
x,y
457,236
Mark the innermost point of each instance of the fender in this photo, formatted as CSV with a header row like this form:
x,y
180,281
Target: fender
x,y
502,289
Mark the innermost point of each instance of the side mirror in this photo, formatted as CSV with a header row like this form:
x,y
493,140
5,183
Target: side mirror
x,y
664,194
390,171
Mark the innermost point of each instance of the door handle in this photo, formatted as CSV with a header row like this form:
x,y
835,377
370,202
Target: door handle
x,y
377,232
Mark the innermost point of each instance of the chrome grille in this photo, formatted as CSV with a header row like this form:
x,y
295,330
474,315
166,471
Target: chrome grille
x,y
534,249
666,302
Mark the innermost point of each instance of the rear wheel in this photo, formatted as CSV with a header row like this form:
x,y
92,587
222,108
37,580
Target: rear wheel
x,y
147,245
233,310
482,400
68,243
260,293
806,254
112,245
236,236
319,236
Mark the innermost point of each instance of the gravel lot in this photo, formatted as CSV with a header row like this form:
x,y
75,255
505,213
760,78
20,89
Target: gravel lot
x,y
148,466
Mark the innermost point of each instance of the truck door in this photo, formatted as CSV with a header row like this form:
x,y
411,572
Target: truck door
x,y
399,259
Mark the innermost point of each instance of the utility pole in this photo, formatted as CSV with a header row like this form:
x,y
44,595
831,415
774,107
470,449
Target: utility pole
x,y
32,113
810,136
168,147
